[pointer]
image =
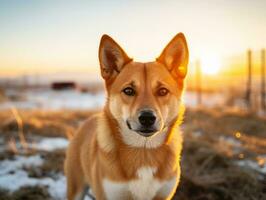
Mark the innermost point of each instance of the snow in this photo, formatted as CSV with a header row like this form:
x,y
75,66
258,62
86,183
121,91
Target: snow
x,y
51,144
55,100
230,140
20,178
43,144
8,166
73,99
197,133
253,165
208,100
13,176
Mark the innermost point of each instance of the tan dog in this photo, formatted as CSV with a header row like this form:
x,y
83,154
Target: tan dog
x,y
131,150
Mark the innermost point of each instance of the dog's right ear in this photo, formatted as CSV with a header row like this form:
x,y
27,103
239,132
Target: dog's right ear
x,y
112,58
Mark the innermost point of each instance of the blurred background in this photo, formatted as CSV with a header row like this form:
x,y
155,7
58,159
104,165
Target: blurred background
x,y
50,82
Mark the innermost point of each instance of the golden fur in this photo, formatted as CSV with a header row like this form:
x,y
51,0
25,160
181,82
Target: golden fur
x,y
105,154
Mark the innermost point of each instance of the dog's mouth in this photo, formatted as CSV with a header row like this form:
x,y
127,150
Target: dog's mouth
x,y
146,132
143,131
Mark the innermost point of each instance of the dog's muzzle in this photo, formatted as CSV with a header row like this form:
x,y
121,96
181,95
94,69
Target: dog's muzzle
x,y
147,120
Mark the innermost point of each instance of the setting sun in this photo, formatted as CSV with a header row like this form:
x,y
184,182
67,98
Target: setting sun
x,y
210,64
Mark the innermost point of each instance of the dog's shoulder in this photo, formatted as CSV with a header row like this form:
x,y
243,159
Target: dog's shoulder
x,y
89,124
96,129
86,130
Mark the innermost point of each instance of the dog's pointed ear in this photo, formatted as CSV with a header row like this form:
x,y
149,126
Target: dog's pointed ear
x,y
175,56
112,57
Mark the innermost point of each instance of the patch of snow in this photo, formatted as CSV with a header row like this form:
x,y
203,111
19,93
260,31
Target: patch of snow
x,y
253,165
56,188
211,100
20,178
87,198
8,166
231,141
197,133
51,144
56,100
42,144
13,177
73,99
17,179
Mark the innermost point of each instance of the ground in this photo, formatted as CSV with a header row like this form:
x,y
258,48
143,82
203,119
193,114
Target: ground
x,y
224,154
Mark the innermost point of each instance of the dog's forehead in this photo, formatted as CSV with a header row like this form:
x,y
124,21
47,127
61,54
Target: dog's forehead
x,y
147,69
156,69
143,73
134,71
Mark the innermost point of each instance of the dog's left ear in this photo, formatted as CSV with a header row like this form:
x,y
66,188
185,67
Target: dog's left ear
x,y
175,56
112,58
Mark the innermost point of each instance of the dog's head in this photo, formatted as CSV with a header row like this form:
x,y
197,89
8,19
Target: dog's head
x,y
144,98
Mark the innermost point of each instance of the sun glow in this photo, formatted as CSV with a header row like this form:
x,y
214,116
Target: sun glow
x,y
210,64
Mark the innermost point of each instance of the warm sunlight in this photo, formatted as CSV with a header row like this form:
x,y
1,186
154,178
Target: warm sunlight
x,y
210,64
74,88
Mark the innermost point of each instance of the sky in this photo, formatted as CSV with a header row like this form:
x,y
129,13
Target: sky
x,y
48,36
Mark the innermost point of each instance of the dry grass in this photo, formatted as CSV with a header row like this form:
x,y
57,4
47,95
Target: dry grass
x,y
210,174
209,171
26,193
53,165
50,124
2,95
215,123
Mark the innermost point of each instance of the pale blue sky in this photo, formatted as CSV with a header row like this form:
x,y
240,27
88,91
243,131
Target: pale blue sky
x,y
52,35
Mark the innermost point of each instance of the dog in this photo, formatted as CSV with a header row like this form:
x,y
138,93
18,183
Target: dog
x,y
132,149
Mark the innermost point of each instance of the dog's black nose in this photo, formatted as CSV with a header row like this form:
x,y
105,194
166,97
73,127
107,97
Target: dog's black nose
x,y
147,118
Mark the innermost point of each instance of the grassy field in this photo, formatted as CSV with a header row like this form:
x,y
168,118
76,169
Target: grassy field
x,y
224,154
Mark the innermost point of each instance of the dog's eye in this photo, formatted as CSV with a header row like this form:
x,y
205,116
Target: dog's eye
x,y
162,92
129,91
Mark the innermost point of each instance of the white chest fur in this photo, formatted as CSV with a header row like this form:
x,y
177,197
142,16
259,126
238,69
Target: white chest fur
x,y
145,187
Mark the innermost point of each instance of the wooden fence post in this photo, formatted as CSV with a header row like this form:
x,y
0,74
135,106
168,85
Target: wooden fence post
x,y
263,103
198,82
249,79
